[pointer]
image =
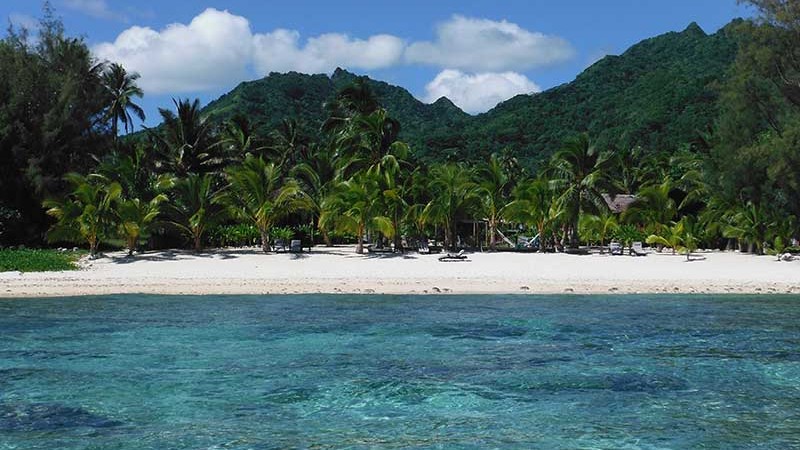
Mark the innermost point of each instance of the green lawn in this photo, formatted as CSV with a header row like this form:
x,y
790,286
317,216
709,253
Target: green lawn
x,y
36,260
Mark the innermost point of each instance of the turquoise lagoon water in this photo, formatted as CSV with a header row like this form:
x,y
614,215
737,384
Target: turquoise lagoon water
x,y
273,372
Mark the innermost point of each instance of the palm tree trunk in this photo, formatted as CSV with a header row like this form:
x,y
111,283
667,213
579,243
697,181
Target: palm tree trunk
x,y
264,240
198,242
492,234
131,245
540,229
93,244
360,237
398,238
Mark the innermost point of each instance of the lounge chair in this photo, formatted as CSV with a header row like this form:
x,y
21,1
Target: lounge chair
x,y
371,249
296,246
452,257
615,248
423,247
637,250
280,246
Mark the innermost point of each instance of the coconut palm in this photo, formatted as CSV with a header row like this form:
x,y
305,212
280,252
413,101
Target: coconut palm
x,y
87,211
122,89
134,217
652,208
533,205
369,141
355,99
750,224
288,142
240,138
599,226
193,208
316,172
495,185
185,142
682,236
258,192
354,206
394,182
579,176
455,194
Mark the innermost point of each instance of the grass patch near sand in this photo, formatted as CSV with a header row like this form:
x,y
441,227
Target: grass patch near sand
x,y
38,260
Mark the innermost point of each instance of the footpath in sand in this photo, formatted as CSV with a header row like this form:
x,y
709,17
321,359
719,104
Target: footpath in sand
x,y
340,270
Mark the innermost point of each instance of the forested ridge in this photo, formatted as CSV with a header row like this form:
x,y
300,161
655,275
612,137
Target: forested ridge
x,y
659,94
703,130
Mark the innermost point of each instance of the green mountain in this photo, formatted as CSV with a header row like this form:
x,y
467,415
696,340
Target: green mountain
x,y
659,94
293,95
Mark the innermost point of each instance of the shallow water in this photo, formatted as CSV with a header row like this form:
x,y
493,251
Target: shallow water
x,y
271,372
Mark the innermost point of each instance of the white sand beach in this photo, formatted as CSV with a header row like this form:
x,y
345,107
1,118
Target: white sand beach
x,y
340,270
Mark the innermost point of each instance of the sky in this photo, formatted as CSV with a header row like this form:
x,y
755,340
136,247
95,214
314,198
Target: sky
x,y
477,53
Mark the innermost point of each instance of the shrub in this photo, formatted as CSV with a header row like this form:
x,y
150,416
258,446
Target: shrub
x,y
237,235
38,260
627,234
284,234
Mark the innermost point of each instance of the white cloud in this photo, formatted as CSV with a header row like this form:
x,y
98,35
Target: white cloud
x,y
280,51
217,49
213,50
94,8
475,93
487,45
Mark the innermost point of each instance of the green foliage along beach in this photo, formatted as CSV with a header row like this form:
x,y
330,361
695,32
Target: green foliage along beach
x,y
695,135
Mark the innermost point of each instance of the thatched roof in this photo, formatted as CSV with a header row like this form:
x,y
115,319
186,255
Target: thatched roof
x,y
620,202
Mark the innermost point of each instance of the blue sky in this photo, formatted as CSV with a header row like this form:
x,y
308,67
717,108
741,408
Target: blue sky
x,y
475,52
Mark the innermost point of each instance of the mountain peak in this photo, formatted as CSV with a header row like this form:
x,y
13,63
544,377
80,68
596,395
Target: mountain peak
x,y
694,29
444,101
341,73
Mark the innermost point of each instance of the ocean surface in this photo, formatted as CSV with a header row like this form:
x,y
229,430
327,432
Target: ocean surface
x,y
449,372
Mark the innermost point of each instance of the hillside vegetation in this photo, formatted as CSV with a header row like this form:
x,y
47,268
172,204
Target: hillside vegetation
x,y
659,94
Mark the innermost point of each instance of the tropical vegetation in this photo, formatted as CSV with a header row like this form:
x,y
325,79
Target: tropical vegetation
x,y
704,142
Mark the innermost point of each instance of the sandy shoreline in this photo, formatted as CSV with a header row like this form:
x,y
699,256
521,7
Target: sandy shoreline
x,y
340,270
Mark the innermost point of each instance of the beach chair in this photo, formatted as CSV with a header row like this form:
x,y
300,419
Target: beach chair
x,y
451,257
280,246
296,246
423,247
637,250
615,248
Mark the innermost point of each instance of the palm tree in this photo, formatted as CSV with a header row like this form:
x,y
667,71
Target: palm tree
x,y
653,207
494,186
353,100
316,172
354,206
454,195
370,140
240,137
186,143
681,236
288,141
258,192
533,204
193,208
579,175
122,89
134,217
87,211
394,183
750,223
600,226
